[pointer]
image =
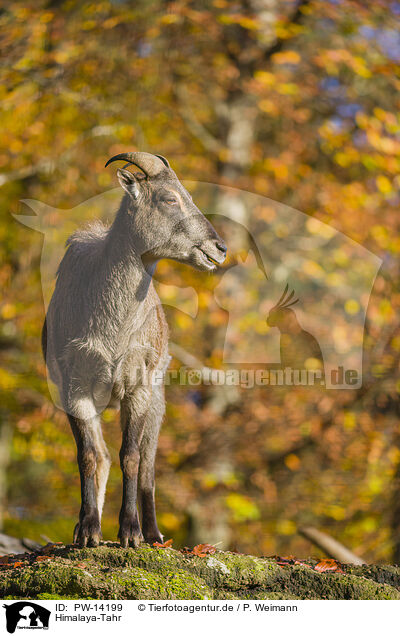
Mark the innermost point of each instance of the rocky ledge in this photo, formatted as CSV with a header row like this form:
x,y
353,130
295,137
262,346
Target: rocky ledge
x,y
111,572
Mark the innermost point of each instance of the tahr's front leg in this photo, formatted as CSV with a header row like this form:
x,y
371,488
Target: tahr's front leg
x,y
133,411
148,449
87,530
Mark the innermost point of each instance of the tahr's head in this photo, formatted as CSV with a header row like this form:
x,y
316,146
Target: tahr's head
x,y
281,315
165,220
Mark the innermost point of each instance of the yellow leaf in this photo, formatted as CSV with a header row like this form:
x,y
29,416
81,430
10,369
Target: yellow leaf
x,y
8,311
285,526
243,508
170,18
351,307
248,23
268,106
7,380
383,184
292,461
265,78
287,57
288,89
169,521
313,363
313,269
349,420
336,512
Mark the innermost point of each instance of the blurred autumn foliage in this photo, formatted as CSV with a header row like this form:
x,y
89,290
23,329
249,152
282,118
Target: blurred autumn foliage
x,y
296,101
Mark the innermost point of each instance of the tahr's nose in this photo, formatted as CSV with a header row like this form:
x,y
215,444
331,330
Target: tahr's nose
x,y
220,245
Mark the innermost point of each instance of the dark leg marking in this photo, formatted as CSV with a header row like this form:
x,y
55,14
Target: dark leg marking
x,y
87,531
148,449
132,431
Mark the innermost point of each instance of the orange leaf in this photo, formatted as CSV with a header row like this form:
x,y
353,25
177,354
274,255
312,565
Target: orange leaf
x,y
42,558
302,563
202,549
17,564
166,544
328,565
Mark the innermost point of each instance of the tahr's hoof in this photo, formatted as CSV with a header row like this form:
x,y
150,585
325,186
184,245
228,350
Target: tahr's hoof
x,y
154,538
87,533
130,533
133,540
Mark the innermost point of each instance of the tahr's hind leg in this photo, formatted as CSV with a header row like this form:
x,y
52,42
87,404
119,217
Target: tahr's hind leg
x,y
87,531
148,449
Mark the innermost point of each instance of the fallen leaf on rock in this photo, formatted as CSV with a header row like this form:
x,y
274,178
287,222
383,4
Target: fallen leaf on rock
x,y
307,565
17,564
166,544
42,557
328,565
202,549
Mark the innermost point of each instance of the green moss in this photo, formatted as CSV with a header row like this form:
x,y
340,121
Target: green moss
x,y
179,584
38,579
380,573
110,572
57,597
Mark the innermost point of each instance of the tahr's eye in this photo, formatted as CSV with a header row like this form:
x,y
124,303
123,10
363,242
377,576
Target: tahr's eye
x,y
170,201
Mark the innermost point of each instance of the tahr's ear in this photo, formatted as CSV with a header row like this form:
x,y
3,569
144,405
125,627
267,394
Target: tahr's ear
x,y
128,182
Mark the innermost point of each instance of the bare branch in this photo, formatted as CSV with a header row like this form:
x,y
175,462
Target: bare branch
x,y
330,546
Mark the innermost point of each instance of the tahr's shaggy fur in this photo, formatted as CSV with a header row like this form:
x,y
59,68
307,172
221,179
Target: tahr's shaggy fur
x,y
105,332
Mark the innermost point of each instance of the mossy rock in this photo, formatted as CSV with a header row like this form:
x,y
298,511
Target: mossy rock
x,y
111,572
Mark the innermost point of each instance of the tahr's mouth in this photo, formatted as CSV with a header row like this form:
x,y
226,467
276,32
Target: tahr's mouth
x,y
209,261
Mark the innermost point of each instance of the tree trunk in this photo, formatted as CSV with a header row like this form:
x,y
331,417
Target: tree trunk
x,y
5,449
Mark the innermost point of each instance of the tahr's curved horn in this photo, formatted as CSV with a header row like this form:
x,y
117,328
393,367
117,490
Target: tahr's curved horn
x,y
164,160
151,165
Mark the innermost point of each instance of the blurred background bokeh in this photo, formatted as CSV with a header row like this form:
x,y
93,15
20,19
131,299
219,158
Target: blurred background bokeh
x,y
294,101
